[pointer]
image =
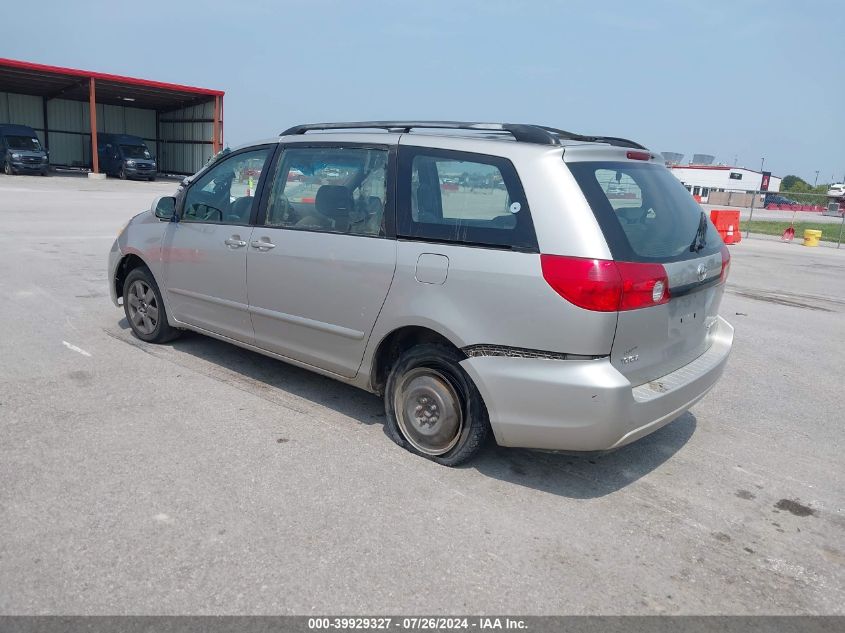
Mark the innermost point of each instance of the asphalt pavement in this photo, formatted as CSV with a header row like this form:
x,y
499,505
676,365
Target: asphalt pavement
x,y
196,477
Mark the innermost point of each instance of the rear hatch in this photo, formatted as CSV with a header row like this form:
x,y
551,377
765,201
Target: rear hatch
x,y
649,218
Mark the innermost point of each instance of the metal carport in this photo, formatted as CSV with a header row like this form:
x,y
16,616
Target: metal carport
x,y
184,123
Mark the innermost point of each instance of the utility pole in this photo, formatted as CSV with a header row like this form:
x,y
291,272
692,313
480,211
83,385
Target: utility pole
x,y
816,181
762,162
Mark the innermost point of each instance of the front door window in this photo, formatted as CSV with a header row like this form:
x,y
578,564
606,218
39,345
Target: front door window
x,y
225,194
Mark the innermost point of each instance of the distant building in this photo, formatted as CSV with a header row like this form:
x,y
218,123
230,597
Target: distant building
x,y
701,180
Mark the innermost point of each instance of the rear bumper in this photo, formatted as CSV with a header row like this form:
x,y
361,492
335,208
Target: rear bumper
x,y
588,405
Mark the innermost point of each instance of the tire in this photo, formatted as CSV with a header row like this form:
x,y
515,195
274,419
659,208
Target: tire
x,y
7,168
122,174
152,178
45,173
144,308
433,408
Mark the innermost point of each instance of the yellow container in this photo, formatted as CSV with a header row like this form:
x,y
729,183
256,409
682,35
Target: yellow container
x,y
811,237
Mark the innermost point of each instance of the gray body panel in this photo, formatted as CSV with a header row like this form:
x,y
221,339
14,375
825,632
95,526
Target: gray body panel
x,y
491,296
315,296
665,337
206,282
326,301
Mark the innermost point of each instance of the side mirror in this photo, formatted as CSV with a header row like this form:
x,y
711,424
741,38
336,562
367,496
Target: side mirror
x,y
164,207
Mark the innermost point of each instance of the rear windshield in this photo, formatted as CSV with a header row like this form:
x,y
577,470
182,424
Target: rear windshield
x,y
646,214
134,151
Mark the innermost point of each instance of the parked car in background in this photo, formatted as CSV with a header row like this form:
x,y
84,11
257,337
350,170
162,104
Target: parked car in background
x,y
526,306
836,191
774,198
21,151
125,156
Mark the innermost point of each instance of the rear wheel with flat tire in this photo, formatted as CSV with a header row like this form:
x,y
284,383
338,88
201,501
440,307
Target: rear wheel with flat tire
x,y
433,408
144,308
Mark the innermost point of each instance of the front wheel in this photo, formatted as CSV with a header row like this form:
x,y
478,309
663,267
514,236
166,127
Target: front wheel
x,y
122,174
7,168
433,407
144,308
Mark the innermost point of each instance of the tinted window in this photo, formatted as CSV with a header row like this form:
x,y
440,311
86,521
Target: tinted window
x,y
460,197
646,214
334,189
225,193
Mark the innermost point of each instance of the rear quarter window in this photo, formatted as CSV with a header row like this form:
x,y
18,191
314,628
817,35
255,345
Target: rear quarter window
x,y
463,198
645,213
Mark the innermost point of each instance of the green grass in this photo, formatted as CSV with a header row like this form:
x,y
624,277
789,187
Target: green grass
x,y
830,232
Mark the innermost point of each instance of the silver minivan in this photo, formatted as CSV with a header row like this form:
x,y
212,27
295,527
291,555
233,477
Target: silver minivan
x,y
559,291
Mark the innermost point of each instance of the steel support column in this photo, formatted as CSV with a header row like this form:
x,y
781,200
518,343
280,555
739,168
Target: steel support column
x,y
92,109
46,124
215,127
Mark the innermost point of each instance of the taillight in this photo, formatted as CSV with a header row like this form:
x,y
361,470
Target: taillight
x,y
639,155
593,284
606,286
726,264
643,285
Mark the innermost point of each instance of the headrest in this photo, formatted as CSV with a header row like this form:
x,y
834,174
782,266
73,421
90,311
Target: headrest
x,y
334,201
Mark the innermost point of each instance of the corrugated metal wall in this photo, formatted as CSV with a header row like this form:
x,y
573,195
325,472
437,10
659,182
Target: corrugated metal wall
x,y
185,143
23,110
184,147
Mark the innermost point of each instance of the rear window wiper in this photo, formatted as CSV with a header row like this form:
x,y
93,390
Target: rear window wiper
x,y
700,239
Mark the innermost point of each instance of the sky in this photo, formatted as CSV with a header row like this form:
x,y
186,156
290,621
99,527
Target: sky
x,y
750,79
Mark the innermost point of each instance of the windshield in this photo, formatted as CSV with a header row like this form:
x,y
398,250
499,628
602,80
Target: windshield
x,y
23,142
646,214
135,151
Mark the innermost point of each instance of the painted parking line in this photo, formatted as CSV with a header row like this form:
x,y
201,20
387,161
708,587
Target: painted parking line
x,y
74,348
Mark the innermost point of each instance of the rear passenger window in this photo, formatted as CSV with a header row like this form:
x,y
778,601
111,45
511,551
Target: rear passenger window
x,y
465,198
330,189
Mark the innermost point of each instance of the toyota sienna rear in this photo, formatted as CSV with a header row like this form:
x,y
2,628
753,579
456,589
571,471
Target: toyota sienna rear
x,y
553,290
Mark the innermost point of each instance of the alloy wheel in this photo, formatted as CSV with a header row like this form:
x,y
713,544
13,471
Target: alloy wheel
x,y
143,307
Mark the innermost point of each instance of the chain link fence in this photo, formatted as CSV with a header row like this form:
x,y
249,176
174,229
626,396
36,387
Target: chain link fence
x,y
772,213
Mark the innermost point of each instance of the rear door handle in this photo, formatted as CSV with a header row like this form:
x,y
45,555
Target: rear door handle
x,y
234,242
262,245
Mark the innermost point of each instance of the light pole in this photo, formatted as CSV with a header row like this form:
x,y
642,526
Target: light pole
x,y
762,162
816,181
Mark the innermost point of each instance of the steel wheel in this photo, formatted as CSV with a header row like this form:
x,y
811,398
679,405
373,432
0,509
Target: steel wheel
x,y
428,411
143,307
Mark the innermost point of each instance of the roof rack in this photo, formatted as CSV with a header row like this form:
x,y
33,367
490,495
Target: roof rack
x,y
525,133
611,140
